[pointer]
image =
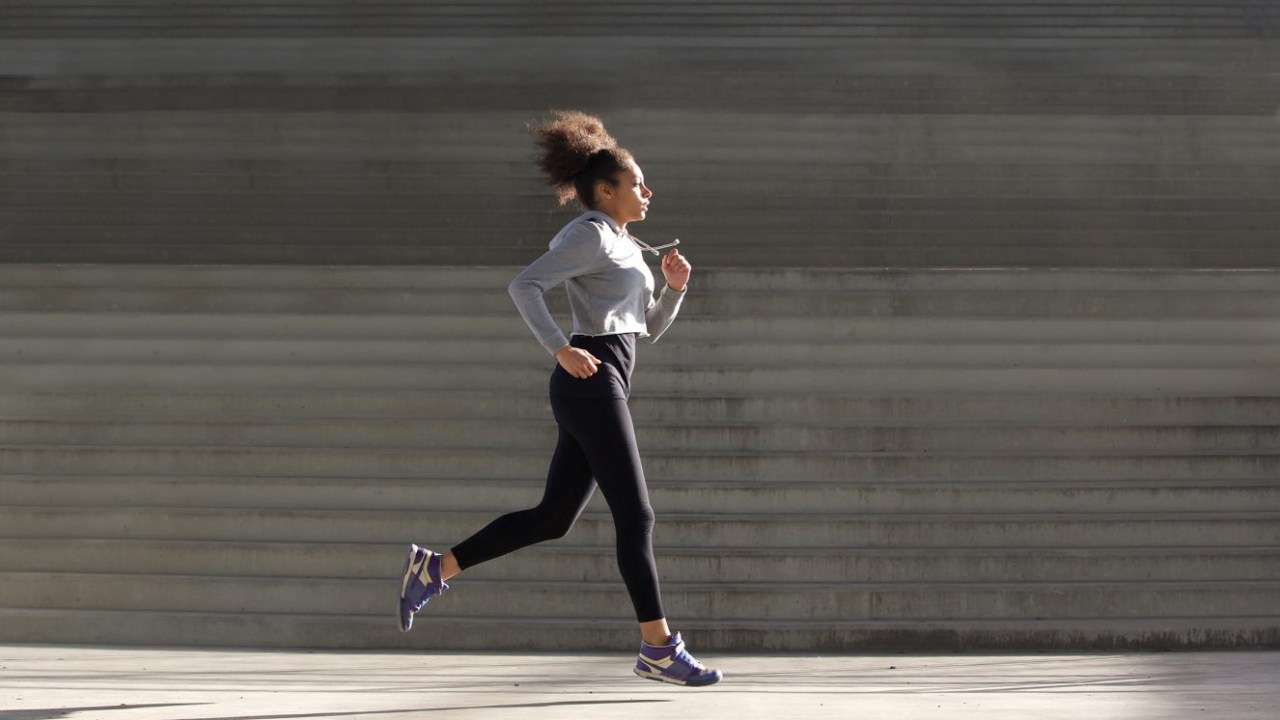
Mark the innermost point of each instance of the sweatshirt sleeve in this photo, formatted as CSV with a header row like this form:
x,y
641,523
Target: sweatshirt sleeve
x,y
578,252
662,312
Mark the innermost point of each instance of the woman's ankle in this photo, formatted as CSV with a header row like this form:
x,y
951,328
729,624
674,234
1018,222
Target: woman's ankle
x,y
449,566
655,632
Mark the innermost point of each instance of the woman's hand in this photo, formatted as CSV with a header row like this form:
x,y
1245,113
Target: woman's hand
x,y
577,362
676,269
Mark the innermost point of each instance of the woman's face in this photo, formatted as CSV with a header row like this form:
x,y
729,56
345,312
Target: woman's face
x,y
628,200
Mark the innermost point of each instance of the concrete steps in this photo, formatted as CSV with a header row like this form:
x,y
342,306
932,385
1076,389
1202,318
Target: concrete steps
x,y
926,134
945,158
1081,223
907,459
1074,447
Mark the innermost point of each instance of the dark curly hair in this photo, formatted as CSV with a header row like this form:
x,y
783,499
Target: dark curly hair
x,y
577,152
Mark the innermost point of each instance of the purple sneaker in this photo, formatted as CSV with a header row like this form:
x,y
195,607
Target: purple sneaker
x,y
672,663
421,583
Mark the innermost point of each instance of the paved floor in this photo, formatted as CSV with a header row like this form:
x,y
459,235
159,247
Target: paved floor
x,y
38,682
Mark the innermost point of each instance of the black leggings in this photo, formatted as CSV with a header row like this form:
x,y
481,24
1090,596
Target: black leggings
x,y
597,445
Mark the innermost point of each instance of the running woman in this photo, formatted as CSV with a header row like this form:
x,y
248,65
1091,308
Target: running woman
x,y
610,292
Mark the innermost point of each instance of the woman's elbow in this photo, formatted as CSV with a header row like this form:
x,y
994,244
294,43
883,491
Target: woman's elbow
x,y
520,288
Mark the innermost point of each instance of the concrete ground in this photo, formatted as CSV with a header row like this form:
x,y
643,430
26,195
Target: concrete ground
x,y
38,682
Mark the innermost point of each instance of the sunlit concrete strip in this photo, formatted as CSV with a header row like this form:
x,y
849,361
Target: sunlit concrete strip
x,y
48,682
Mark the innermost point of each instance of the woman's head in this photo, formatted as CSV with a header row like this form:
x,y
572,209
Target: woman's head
x,y
583,161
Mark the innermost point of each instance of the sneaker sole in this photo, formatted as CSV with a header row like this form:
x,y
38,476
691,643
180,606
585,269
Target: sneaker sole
x,y
406,623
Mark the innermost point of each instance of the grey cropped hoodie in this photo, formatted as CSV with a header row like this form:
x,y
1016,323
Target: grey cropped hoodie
x,y
609,285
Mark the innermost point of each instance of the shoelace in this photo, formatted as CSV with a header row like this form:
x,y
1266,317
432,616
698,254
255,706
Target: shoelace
x,y
439,589
683,656
645,246
425,598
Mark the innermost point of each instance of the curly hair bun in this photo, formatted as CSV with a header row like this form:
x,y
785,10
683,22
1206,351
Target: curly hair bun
x,y
569,141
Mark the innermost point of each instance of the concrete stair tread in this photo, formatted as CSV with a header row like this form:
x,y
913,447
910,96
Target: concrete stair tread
x,y
660,453
438,496
847,351
236,430
629,625
510,585
712,439
494,302
703,517
692,356
1230,466
1241,247
550,562
536,481
95,419
730,529
883,323
519,195
369,598
826,410
909,377
693,600
730,382
585,633
609,550
802,280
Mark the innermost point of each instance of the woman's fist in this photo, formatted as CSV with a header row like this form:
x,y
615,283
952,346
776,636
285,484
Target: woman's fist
x,y
577,362
676,270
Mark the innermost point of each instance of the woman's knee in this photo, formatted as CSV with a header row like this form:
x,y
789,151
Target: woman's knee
x,y
647,518
637,522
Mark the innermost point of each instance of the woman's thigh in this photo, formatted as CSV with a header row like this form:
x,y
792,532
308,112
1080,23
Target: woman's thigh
x,y
606,436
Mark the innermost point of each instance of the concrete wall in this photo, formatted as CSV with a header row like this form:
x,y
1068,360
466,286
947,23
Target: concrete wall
x,y
834,134
1013,458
